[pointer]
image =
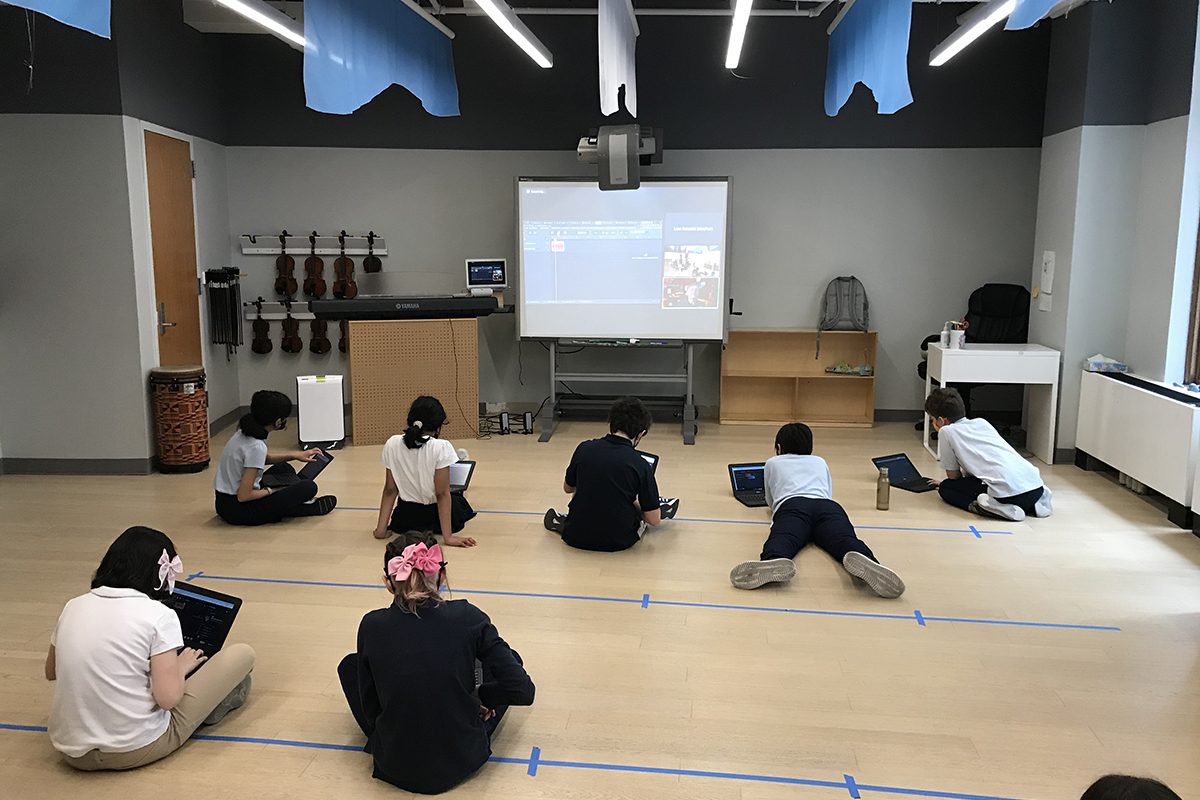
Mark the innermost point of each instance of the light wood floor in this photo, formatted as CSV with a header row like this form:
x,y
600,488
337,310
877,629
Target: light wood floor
x,y
1028,712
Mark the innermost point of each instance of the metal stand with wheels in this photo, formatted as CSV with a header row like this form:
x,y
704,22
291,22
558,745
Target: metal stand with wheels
x,y
687,399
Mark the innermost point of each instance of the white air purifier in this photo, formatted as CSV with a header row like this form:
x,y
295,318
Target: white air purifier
x,y
319,407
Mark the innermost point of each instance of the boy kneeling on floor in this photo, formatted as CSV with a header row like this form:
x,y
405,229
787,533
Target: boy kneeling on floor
x,y
984,474
799,491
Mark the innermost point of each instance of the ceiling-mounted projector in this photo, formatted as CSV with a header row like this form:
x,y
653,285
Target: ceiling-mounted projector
x,y
621,151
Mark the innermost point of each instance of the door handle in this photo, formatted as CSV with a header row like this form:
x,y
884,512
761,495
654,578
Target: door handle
x,y
162,320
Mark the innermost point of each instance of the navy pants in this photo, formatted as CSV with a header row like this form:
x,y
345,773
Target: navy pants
x,y
408,516
348,674
961,492
800,520
283,502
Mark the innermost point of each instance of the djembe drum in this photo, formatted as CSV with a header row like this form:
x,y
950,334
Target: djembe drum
x,y
180,418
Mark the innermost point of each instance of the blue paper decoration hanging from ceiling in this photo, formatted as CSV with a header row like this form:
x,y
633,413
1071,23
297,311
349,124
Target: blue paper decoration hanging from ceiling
x,y
93,16
870,45
1028,12
357,48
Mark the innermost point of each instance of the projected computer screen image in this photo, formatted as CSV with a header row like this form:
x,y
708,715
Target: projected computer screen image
x,y
648,263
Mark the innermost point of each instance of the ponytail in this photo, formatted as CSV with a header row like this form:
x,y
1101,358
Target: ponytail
x,y
425,418
266,408
416,589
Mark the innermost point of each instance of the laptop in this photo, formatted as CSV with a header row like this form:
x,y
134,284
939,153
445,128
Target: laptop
x,y
460,476
902,474
651,459
205,616
309,472
749,484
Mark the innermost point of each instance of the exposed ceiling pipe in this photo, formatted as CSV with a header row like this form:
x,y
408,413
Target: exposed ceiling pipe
x,y
544,11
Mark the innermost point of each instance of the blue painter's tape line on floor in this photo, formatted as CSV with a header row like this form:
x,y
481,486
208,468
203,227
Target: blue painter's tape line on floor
x,y
646,602
978,535
533,761
920,619
1020,624
864,787
208,737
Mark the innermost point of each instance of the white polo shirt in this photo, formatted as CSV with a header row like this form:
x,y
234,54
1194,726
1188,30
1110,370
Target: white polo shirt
x,y
413,469
792,475
102,645
975,448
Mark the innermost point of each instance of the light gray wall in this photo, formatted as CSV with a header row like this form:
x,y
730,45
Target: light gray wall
x,y
921,228
72,384
1157,235
212,251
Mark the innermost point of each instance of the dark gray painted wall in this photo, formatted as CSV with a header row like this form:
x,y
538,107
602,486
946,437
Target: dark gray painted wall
x,y
248,90
992,96
171,74
74,72
1128,62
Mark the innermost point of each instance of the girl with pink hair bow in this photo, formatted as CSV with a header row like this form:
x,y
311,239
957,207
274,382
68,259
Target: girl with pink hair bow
x,y
430,679
124,692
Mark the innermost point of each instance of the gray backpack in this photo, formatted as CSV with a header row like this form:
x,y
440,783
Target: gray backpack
x,y
844,308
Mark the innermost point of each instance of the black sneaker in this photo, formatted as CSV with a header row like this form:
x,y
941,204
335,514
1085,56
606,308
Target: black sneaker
x,y
669,507
553,522
318,507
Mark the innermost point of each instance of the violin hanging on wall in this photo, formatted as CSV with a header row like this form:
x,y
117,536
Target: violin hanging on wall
x,y
285,267
292,343
344,288
319,343
314,270
344,341
371,263
262,332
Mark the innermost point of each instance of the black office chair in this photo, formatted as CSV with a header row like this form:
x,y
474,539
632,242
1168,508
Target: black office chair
x,y
997,313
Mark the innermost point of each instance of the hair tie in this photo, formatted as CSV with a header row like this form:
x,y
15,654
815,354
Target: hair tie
x,y
418,424
427,560
168,568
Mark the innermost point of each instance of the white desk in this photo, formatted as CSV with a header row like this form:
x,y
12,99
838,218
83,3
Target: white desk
x,y
1030,364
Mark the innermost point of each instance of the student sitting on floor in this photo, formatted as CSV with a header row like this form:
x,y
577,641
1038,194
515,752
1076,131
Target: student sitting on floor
x,y
241,499
799,491
122,695
411,685
615,496
416,485
984,474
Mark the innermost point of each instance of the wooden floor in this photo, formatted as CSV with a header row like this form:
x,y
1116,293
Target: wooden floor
x,y
672,684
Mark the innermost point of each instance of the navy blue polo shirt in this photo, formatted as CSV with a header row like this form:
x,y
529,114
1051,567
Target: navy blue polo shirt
x,y
608,475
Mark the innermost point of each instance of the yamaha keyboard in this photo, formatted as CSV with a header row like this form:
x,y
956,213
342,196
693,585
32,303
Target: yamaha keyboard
x,y
444,306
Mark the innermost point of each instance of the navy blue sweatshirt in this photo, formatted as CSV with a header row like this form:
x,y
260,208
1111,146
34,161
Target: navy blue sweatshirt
x,y
416,677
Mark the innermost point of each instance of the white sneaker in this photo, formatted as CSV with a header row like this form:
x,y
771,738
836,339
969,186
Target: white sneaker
x,y
882,580
1042,507
992,507
753,574
463,455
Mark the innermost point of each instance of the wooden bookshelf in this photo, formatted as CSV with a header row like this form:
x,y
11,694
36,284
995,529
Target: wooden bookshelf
x,y
775,376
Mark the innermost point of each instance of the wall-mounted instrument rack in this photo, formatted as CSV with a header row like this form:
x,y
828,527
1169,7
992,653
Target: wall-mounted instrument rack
x,y
267,244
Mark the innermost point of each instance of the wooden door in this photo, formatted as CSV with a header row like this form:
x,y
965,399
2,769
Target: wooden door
x,y
173,241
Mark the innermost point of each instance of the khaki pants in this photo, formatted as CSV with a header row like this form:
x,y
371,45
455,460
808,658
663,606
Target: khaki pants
x,y
202,692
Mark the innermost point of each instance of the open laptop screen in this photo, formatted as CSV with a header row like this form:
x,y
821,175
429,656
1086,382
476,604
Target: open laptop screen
x,y
651,459
898,466
747,477
205,616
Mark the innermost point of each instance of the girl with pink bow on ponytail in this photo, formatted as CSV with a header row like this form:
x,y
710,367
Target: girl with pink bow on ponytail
x,y
431,677
123,697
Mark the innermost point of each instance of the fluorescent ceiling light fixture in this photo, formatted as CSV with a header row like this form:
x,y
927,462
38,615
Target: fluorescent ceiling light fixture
x,y
273,20
506,19
737,33
979,19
